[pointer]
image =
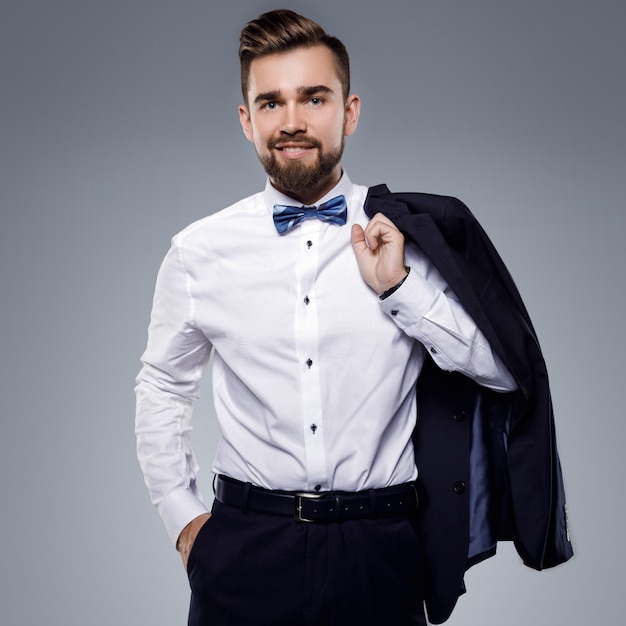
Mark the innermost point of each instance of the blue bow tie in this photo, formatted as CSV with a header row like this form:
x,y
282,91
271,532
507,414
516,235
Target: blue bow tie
x,y
286,217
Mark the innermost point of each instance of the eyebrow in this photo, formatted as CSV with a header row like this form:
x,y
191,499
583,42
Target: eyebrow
x,y
311,91
268,96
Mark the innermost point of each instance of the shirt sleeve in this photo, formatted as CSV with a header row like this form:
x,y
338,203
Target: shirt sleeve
x,y
425,308
173,363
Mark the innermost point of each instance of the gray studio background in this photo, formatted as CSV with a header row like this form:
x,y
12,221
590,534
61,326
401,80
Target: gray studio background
x,y
118,127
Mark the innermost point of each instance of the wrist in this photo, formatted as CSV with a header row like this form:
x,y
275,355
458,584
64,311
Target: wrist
x,y
188,534
385,294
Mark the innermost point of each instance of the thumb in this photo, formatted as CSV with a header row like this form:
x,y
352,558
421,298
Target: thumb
x,y
359,244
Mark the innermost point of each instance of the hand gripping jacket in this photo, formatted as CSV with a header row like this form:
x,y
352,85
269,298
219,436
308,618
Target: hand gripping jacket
x,y
488,463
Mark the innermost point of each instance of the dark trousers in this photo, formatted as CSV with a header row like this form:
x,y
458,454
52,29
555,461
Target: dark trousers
x,y
255,569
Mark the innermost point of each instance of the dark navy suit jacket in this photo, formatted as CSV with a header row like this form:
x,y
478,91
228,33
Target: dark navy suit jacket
x,y
488,463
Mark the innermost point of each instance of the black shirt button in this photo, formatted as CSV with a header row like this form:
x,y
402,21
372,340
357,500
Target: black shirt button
x,y
394,312
306,300
433,351
309,363
313,428
309,244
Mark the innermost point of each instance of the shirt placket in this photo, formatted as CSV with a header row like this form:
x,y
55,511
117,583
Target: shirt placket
x,y
308,355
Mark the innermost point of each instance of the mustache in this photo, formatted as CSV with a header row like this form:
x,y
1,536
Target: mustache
x,y
272,143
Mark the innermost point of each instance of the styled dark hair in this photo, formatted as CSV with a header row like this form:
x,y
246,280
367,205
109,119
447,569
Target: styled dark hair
x,y
282,30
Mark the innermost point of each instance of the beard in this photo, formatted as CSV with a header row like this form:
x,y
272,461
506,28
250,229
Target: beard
x,y
294,176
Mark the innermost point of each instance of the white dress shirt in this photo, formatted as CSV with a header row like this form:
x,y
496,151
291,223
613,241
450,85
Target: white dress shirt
x,y
313,376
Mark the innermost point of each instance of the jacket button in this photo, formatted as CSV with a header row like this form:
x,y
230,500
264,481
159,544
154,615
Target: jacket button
x,y
459,487
458,415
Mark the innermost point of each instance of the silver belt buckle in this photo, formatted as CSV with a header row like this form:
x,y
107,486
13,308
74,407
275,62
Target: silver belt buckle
x,y
298,508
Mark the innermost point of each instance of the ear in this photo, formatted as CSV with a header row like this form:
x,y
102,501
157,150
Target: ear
x,y
246,122
353,110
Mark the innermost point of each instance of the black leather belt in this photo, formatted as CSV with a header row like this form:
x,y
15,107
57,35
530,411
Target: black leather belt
x,y
325,506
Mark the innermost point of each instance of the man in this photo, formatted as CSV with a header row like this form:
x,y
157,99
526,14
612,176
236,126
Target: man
x,y
320,321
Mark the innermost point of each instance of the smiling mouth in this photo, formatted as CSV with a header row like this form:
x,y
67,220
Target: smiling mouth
x,y
294,147
291,147
294,151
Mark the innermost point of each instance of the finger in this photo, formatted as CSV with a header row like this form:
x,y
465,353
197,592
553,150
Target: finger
x,y
379,225
380,219
376,232
381,229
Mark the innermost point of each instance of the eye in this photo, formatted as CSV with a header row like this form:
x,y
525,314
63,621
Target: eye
x,y
316,101
270,106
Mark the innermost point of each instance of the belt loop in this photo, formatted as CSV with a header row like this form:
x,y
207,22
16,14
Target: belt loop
x,y
245,497
372,493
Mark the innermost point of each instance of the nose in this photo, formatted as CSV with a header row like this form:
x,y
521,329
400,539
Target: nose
x,y
293,121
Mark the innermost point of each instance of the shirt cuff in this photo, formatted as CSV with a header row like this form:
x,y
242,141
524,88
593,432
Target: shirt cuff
x,y
177,509
410,301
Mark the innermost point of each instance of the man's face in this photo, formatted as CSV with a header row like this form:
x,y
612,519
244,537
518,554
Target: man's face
x,y
297,119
